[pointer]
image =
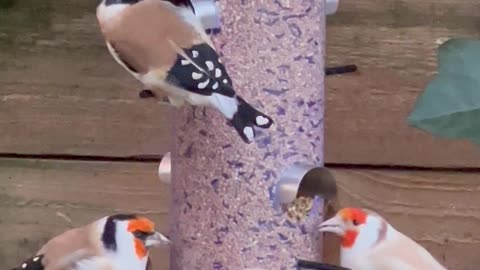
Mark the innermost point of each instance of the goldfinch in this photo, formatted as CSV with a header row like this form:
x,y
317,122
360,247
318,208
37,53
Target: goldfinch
x,y
370,243
166,48
117,242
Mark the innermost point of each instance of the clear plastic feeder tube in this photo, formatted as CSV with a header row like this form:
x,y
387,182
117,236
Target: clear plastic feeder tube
x,y
222,214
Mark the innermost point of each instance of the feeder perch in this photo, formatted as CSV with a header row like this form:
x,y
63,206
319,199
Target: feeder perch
x,y
310,265
165,169
331,6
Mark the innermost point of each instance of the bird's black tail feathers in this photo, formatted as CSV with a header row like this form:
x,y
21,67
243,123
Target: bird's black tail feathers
x,y
246,118
33,263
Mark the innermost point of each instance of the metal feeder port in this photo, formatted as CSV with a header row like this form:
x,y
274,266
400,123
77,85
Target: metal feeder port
x,y
208,12
165,168
304,180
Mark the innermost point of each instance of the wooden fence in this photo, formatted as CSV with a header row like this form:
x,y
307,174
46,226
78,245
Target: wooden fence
x,y
77,143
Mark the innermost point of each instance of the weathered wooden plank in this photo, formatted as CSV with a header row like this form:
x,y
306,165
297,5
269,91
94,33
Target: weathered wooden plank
x,y
36,196
440,210
394,43
62,93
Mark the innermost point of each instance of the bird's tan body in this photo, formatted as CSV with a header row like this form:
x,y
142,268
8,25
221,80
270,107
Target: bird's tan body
x,y
143,49
152,53
117,242
395,252
64,251
166,48
369,242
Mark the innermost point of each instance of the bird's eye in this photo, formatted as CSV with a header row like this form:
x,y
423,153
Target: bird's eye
x,y
140,234
355,222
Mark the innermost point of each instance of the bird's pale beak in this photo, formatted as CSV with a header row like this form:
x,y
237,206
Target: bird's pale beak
x,y
156,239
333,225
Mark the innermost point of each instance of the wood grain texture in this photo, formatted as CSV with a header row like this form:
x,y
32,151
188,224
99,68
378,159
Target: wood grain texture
x,y
40,199
439,210
62,93
393,43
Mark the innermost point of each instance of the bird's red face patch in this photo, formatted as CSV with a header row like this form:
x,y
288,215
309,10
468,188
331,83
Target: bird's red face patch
x,y
143,225
140,249
356,217
348,239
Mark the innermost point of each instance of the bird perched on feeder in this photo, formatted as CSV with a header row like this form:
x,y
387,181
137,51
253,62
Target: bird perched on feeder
x,y
370,243
165,47
118,242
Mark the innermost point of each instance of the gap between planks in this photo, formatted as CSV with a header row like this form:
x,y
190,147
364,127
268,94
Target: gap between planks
x,y
139,158
158,158
388,167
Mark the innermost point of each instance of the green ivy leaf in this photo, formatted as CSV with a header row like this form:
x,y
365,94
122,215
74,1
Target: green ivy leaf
x,y
450,105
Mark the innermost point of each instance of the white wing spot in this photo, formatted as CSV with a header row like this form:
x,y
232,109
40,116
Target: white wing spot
x,y
24,265
36,259
196,76
204,84
209,65
219,60
225,81
215,86
185,62
195,54
261,120
218,73
248,131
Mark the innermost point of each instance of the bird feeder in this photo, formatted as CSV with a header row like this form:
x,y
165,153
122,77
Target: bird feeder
x,y
223,189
